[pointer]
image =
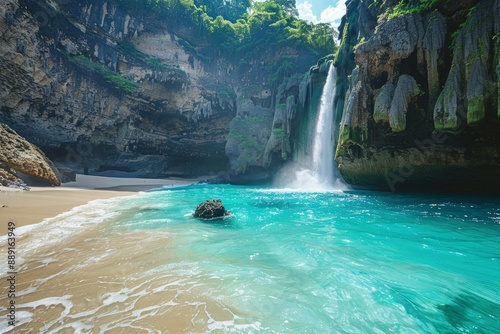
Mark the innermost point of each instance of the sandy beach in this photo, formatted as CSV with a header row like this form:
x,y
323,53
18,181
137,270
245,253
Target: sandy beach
x,y
66,271
30,207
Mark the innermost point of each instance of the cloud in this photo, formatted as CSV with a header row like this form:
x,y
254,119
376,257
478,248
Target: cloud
x,y
331,14
305,12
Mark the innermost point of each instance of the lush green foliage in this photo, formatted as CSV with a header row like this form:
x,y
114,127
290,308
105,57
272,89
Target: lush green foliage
x,y
281,69
361,41
242,29
226,92
101,70
405,7
239,30
129,49
231,10
288,6
454,35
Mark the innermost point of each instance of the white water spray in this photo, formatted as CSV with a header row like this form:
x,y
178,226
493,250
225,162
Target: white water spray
x,y
319,171
323,144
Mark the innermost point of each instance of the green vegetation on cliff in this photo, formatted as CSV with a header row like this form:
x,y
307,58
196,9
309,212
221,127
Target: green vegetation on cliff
x,y
111,77
281,69
405,7
236,28
231,11
128,49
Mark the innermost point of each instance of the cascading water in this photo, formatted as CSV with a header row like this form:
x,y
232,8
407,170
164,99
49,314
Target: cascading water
x,y
324,142
319,171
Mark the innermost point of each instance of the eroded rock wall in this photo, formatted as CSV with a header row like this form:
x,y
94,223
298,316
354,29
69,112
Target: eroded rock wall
x,y
98,88
421,106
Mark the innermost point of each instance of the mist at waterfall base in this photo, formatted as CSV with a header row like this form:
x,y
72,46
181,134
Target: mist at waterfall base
x,y
317,171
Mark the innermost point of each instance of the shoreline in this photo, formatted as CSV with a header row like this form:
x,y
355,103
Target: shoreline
x,y
39,203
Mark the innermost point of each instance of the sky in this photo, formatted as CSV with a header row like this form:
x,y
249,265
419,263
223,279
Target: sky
x,y
325,11
321,11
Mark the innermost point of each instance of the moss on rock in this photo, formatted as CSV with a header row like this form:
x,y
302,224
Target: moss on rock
x,y
475,110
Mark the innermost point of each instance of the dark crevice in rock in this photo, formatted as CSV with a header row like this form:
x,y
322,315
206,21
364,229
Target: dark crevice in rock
x,y
378,81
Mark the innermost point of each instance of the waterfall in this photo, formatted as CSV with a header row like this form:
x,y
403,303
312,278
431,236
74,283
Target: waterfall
x,y
324,142
318,171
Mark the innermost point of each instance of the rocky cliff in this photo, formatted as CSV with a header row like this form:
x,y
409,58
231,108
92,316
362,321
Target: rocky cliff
x,y
421,100
98,87
21,161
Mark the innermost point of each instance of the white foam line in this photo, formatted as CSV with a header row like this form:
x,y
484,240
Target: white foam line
x,y
20,231
301,190
77,326
65,301
116,297
127,315
22,317
129,297
164,287
84,314
194,316
139,313
53,230
215,325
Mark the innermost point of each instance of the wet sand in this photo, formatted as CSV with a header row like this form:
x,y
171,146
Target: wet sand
x,y
94,279
30,207
79,272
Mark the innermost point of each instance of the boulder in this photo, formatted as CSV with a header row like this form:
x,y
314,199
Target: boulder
x,y
8,179
211,209
22,156
67,174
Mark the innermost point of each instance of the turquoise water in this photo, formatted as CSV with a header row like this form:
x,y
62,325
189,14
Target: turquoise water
x,y
285,262
333,262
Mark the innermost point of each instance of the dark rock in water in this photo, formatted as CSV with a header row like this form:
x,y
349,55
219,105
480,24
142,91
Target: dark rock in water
x,y
211,209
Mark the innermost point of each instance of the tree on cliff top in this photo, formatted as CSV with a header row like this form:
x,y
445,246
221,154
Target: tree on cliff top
x,y
231,28
289,7
230,10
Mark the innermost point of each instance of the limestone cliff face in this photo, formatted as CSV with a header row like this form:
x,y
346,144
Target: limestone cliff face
x,y
421,108
99,88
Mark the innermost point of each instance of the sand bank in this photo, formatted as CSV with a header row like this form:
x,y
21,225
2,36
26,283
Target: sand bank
x,y
30,207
